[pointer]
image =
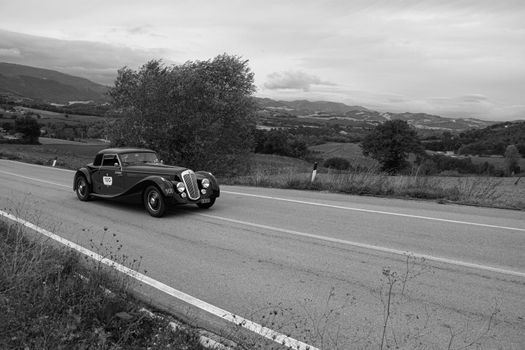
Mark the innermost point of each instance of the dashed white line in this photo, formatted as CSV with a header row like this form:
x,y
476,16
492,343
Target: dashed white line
x,y
373,247
214,310
375,211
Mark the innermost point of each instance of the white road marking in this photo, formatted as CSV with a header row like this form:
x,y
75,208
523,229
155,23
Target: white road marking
x,y
356,244
373,247
318,204
34,179
375,211
221,313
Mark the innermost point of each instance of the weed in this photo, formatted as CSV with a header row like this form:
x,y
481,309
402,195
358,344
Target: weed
x,y
46,304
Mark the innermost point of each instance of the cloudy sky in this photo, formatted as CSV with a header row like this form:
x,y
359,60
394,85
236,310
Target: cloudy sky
x,y
449,57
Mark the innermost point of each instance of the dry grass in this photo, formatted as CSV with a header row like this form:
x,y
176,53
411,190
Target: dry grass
x,y
482,191
46,304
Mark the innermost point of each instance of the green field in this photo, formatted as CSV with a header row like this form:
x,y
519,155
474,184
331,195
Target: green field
x,y
349,151
69,155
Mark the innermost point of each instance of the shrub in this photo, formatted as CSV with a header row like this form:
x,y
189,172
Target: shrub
x,y
337,163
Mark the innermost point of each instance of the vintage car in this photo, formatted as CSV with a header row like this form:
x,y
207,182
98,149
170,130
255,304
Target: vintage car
x,y
117,172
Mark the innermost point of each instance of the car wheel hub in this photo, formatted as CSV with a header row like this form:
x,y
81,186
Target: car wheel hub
x,y
153,201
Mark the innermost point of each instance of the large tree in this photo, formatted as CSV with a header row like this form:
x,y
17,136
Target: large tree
x,y
198,114
390,144
29,127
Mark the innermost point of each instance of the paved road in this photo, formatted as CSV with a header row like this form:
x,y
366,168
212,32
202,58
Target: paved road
x,y
315,258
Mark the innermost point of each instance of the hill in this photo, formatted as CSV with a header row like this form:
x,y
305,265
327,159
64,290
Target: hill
x,y
493,140
49,86
308,113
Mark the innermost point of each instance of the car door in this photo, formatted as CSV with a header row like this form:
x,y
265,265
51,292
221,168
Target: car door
x,y
108,179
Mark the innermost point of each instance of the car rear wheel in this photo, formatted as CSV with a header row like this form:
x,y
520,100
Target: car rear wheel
x,y
207,205
154,201
82,188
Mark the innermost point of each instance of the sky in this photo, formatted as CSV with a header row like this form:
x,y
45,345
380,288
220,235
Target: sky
x,y
460,58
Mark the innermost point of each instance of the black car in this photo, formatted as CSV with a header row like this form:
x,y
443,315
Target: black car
x,y
117,172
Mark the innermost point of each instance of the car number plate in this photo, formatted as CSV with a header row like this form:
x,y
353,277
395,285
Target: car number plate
x,y
205,200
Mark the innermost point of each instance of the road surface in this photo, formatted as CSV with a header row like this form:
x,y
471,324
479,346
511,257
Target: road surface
x,y
312,265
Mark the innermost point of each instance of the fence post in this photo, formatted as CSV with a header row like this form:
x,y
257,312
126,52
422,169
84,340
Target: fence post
x,y
314,172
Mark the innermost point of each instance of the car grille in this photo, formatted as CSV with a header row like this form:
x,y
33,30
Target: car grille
x,y
190,181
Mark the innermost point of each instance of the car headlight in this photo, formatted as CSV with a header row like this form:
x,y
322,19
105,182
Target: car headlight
x,y
180,187
205,183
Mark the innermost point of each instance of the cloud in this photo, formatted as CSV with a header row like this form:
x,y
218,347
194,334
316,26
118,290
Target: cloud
x,y
292,80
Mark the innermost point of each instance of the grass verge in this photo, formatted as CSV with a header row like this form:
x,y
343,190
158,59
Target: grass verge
x,y
480,191
45,303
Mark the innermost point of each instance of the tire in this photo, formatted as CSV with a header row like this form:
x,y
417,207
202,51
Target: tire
x,y
207,205
82,188
154,201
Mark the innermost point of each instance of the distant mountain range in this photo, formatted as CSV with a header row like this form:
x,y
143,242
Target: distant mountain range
x,y
49,86
356,115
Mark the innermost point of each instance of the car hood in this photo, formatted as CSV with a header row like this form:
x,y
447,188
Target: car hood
x,y
156,169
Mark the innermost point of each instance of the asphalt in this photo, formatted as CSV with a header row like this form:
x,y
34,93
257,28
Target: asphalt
x,y
307,264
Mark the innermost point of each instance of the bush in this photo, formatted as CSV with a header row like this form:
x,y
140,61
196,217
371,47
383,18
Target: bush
x,y
337,163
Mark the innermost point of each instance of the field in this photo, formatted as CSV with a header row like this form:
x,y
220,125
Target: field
x,y
352,152
349,151
49,118
70,155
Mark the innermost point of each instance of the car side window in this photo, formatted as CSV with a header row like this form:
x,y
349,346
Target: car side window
x,y
109,160
98,160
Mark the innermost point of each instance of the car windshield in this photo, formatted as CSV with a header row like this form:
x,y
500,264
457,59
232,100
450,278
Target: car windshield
x,y
138,158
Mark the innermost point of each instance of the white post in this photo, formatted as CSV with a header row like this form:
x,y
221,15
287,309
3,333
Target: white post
x,y
55,161
314,172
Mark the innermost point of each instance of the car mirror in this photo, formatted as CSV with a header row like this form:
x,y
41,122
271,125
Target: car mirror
x,y
116,165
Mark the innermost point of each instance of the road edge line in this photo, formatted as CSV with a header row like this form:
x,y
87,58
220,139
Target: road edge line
x,y
372,247
374,211
211,309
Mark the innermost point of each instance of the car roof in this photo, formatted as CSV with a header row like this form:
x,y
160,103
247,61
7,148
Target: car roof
x,y
124,150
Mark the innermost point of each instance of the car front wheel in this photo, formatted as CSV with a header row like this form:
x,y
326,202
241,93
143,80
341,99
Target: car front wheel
x,y
82,188
154,201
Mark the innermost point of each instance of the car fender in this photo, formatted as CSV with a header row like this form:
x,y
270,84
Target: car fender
x,y
86,173
162,183
214,184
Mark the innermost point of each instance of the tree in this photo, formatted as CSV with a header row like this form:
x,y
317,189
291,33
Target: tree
x,y
512,158
29,127
390,143
198,114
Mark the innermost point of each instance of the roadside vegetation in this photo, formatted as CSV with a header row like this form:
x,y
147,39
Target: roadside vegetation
x,y
50,299
480,191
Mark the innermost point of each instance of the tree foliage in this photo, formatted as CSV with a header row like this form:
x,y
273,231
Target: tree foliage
x,y
390,144
29,127
280,142
198,114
